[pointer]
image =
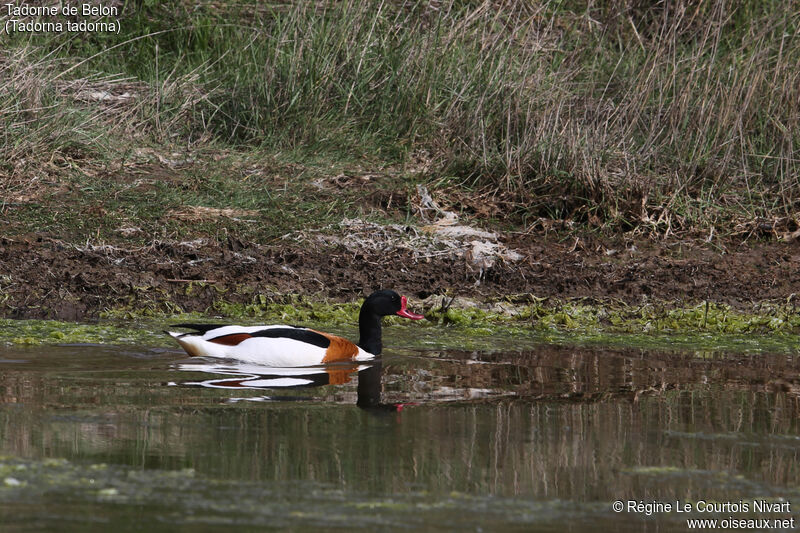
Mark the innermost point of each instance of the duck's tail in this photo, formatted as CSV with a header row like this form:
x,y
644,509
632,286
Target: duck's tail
x,y
189,342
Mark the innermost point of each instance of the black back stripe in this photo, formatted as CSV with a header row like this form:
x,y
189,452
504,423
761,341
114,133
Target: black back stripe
x,y
200,328
298,334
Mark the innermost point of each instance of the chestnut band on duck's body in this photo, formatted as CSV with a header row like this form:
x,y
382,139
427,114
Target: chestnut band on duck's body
x,y
280,345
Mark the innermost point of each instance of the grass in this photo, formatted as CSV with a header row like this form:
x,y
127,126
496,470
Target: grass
x,y
655,118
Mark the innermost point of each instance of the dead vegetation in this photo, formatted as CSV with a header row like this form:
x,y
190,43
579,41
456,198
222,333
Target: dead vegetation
x,y
445,237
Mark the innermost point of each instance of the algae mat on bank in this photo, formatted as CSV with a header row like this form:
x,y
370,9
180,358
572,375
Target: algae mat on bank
x,y
706,327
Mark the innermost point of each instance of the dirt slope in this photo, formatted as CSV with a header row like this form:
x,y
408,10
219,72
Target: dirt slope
x,y
44,277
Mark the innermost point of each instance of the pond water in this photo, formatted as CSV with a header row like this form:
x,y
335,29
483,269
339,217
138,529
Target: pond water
x,y
97,438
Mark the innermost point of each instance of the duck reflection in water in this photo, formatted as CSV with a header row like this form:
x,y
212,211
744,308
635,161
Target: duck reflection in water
x,y
251,376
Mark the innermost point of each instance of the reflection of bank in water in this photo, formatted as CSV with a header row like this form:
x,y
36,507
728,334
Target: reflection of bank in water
x,y
259,377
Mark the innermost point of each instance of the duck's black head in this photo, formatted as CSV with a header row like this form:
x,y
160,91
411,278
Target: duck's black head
x,y
377,305
386,302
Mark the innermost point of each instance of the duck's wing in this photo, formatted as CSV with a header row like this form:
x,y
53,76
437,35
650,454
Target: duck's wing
x,y
274,332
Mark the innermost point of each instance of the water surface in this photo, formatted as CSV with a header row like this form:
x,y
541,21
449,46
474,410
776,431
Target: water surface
x,y
97,438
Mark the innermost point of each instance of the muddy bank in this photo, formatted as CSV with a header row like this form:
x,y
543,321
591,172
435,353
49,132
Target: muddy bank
x,y
43,277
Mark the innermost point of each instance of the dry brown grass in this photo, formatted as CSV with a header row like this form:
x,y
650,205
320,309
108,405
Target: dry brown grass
x,y
660,117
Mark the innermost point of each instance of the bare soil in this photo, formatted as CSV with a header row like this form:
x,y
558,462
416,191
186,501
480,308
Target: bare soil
x,y
43,277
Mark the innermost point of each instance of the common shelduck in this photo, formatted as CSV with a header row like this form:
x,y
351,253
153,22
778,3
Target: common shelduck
x,y
288,346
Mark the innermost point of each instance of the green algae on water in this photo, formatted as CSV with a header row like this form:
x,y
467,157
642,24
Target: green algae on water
x,y
703,328
41,332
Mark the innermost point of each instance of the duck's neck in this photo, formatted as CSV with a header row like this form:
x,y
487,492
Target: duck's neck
x,y
369,328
